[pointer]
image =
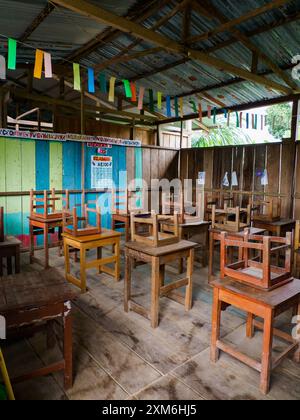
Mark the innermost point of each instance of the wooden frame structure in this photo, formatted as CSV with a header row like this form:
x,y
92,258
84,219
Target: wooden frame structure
x,y
222,218
266,210
79,226
261,275
154,234
47,205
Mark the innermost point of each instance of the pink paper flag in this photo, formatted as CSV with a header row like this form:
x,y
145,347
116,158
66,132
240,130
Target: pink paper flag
x,y
2,68
48,65
209,108
141,98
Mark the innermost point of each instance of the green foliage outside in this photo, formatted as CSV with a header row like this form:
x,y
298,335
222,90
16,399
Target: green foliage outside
x,y
223,136
279,118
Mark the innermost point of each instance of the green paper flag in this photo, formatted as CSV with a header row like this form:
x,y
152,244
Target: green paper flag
x,y
103,83
151,100
77,81
127,88
194,107
12,54
237,120
215,116
176,107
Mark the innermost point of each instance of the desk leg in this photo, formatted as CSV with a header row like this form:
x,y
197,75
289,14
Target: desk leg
x,y
211,257
68,348
46,245
31,245
127,282
155,292
297,354
83,269
189,287
67,258
162,272
216,324
17,260
99,257
117,263
9,265
250,326
267,352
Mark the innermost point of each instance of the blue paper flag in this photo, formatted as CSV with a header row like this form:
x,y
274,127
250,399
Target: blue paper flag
x,y
168,105
91,80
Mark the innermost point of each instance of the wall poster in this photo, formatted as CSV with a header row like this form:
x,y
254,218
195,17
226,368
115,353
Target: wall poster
x,y
102,172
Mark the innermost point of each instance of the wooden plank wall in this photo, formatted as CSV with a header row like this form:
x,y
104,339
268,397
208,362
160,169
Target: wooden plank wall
x,y
171,139
248,162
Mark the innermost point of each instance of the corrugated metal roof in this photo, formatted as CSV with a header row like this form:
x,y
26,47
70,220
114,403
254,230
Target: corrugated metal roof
x,y
63,32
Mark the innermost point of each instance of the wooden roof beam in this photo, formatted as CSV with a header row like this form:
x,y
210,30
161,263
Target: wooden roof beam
x,y
100,15
37,21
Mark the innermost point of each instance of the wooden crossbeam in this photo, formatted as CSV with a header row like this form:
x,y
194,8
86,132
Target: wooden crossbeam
x,y
36,22
101,15
237,21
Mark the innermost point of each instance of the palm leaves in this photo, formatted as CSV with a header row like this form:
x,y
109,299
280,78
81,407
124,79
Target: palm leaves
x,y
222,136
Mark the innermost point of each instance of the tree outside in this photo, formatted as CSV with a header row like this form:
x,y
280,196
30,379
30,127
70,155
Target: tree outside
x,y
279,118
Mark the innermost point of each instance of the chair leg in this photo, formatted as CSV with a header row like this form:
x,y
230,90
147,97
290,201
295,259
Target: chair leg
x,y
250,326
216,324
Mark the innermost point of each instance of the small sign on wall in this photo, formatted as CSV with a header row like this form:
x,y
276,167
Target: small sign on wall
x,y
201,178
101,172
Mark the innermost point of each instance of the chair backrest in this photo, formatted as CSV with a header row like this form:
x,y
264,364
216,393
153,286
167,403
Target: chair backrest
x,y
188,211
267,210
79,225
258,271
1,224
66,201
152,233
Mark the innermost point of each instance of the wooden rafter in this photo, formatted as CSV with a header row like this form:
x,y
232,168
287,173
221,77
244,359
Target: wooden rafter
x,y
250,45
36,22
237,21
186,23
100,15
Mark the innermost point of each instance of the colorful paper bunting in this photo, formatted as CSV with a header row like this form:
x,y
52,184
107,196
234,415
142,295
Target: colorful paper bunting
x,y
215,116
12,54
133,92
181,107
176,107
127,89
38,66
77,80
151,100
247,120
2,68
209,108
103,83
237,119
91,80
194,107
255,121
241,120
111,95
200,112
228,118
168,106
159,100
141,98
48,65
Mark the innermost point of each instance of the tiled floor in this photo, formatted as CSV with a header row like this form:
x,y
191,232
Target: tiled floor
x,y
119,356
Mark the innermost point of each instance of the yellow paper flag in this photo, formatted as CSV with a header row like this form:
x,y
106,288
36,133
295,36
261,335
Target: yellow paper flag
x,y
111,96
38,67
159,100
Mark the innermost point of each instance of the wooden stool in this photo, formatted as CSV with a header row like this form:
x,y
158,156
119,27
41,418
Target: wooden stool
x,y
267,305
158,257
5,377
89,242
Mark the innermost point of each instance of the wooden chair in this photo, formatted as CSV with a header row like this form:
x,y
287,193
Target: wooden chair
x,y
188,211
153,235
123,203
79,226
5,377
66,200
47,205
1,224
261,275
266,210
230,219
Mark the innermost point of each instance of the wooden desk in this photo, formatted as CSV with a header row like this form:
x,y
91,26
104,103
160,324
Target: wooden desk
x,y
265,305
28,299
278,228
215,235
40,226
189,231
84,243
9,249
158,258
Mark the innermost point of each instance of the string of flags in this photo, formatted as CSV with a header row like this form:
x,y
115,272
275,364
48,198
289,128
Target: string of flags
x,y
174,107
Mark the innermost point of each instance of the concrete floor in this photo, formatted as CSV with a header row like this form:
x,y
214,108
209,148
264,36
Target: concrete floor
x,y
118,356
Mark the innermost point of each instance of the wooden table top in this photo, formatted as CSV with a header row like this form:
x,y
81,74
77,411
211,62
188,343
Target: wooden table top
x,y
189,224
106,233
31,290
281,222
9,241
162,250
271,298
253,231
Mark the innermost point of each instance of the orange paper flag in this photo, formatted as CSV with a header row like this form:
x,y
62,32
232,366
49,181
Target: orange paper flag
x,y
38,67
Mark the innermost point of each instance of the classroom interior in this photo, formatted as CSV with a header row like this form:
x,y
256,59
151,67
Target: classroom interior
x,y
134,265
